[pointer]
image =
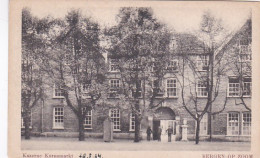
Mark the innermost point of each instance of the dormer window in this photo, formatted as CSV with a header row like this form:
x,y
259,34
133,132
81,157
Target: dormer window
x,y
172,65
58,92
114,65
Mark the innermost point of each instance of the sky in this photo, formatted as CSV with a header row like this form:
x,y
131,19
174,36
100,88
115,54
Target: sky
x,y
179,18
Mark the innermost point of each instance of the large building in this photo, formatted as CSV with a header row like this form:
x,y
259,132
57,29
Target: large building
x,y
231,119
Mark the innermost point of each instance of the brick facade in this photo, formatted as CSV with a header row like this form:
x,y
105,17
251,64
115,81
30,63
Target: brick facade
x,y
43,115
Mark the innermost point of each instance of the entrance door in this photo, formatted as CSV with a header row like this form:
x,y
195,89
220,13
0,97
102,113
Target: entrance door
x,y
156,125
165,124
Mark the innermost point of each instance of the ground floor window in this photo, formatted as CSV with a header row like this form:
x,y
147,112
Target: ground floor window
x,y
246,130
30,119
58,117
132,122
115,117
88,119
233,124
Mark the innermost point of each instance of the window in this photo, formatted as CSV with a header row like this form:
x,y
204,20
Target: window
x,y
58,118
233,124
158,88
171,87
115,117
58,92
172,65
233,87
245,50
75,70
132,122
88,119
114,65
30,119
246,130
202,62
114,88
202,89
86,88
139,93
247,87
204,125
245,57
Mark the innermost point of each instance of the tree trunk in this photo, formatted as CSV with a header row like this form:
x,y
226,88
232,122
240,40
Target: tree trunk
x,y
197,138
137,128
26,119
210,97
81,128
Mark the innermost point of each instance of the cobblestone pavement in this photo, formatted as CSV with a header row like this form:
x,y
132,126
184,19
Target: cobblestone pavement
x,y
52,143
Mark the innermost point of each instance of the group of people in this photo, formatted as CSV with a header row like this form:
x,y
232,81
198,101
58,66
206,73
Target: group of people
x,y
159,132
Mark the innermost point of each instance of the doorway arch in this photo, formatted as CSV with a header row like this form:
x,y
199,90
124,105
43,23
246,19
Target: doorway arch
x,y
165,118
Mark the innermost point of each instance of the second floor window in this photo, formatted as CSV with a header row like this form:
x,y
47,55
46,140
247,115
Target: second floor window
x,y
158,88
171,87
247,87
114,88
202,62
202,89
235,89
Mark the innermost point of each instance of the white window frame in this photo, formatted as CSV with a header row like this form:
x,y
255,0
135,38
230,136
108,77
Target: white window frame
x,y
55,124
230,125
115,118
201,62
86,119
112,63
232,86
249,123
174,87
236,85
173,65
245,86
54,92
115,88
245,54
132,122
201,89
22,122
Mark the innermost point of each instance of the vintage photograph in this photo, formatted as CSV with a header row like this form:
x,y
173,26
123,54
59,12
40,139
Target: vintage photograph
x,y
136,78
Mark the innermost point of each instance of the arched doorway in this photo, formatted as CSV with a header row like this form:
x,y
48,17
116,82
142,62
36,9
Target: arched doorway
x,y
165,118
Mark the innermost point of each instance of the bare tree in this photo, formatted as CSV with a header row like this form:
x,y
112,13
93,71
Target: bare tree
x,y
137,43
240,62
198,68
79,66
33,64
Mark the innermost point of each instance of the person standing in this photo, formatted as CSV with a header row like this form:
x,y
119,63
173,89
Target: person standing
x,y
148,132
169,131
159,133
